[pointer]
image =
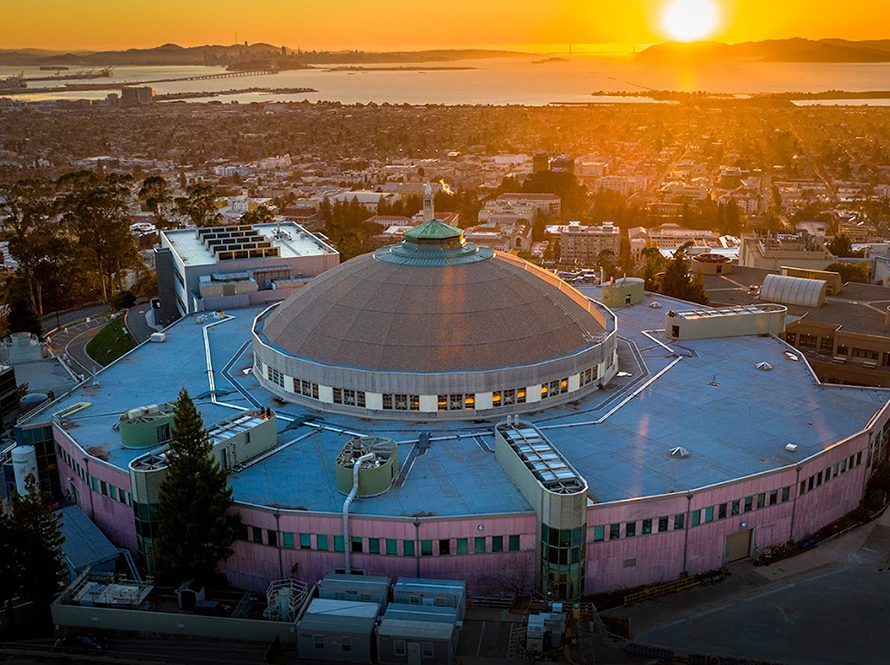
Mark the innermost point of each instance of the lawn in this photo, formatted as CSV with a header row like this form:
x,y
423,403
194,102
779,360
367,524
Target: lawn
x,y
111,343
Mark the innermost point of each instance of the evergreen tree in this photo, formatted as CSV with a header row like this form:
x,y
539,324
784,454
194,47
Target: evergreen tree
x,y
841,245
678,283
653,264
259,215
199,205
195,528
36,547
21,316
155,197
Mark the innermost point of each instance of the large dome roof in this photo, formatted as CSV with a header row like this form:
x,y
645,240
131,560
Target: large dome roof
x,y
433,304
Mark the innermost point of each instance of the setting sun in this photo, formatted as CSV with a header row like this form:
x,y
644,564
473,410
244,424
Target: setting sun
x,y
690,20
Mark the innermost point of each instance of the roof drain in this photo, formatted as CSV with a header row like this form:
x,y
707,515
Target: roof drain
x,y
347,546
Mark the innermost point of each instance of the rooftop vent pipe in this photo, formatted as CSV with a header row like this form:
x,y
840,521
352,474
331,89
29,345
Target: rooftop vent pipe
x,y
347,546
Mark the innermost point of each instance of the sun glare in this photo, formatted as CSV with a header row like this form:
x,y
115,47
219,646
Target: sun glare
x,y
690,20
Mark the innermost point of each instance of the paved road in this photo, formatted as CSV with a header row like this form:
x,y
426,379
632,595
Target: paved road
x,y
825,607
51,321
136,323
70,343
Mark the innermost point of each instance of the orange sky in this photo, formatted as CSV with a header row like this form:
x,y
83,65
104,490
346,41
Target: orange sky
x,y
381,24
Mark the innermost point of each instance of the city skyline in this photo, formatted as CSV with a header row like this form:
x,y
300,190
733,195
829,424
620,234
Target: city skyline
x,y
394,24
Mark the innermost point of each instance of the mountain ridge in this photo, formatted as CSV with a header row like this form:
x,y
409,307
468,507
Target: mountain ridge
x,y
217,54
772,50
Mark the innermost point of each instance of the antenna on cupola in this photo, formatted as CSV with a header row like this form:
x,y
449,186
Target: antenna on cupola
x,y
428,211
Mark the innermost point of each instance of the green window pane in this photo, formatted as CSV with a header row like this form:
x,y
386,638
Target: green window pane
x,y
338,543
408,547
426,548
696,517
709,514
647,526
679,520
599,533
321,542
95,482
104,487
374,545
287,540
497,543
257,535
513,543
305,541
749,504
462,546
761,499
479,545
392,546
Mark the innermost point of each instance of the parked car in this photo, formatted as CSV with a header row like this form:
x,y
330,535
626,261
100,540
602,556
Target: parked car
x,y
82,642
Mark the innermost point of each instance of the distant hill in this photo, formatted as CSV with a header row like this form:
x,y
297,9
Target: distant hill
x,y
173,54
781,50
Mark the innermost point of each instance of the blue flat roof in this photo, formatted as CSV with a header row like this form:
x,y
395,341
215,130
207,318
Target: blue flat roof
x,y
736,428
85,545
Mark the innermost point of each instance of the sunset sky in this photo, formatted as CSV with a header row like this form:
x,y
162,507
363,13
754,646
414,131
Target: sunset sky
x,y
387,24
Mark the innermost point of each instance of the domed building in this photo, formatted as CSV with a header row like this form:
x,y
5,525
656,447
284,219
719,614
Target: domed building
x,y
435,327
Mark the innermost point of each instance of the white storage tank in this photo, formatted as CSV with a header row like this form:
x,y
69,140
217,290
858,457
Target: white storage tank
x,y
24,461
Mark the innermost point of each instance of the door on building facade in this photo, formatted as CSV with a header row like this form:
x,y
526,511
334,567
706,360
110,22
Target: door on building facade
x,y
413,653
738,546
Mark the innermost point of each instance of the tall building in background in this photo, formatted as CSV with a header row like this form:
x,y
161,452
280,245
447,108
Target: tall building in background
x,y
137,96
584,244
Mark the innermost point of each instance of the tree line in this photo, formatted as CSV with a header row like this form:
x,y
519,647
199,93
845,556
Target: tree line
x,y
72,241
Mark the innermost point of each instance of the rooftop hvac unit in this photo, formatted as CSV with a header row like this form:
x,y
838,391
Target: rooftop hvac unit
x,y
654,305
764,367
158,337
791,447
680,452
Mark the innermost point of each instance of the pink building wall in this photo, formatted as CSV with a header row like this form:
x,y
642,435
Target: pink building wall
x,y
254,565
661,557
611,564
114,518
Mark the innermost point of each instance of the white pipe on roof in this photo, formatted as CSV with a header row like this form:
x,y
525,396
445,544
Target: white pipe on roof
x,y
346,504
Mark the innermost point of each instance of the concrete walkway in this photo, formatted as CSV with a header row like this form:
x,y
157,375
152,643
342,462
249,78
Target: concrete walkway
x,y
825,606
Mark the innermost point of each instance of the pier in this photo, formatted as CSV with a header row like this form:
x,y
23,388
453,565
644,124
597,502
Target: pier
x,y
129,84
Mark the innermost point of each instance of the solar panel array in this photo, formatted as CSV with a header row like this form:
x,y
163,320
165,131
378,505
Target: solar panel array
x,y
546,464
236,242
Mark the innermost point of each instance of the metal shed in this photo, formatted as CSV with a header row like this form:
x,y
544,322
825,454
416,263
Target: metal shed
x,y
401,641
793,291
337,630
359,588
440,593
